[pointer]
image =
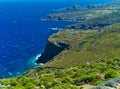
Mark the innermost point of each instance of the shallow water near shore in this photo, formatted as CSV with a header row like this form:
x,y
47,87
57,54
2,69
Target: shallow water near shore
x,y
23,34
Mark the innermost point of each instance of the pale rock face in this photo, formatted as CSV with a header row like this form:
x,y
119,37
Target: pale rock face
x,y
110,84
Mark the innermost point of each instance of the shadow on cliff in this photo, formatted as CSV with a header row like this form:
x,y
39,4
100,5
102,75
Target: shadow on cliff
x,y
51,50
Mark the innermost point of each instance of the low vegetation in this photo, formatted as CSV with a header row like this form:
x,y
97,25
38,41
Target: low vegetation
x,y
92,58
67,78
93,16
86,46
98,22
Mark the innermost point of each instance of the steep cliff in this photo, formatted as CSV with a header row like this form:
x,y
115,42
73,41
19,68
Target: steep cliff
x,y
82,47
51,50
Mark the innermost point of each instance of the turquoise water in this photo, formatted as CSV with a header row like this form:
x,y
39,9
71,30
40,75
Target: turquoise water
x,y
23,34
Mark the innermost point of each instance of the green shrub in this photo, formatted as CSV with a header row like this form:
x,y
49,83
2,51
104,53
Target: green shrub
x,y
67,80
44,80
30,86
17,87
70,72
5,82
89,78
49,85
79,73
13,83
111,74
33,81
99,82
85,79
61,74
64,86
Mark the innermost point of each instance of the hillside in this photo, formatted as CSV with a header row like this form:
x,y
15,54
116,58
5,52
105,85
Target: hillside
x,y
98,22
84,60
78,16
93,16
85,46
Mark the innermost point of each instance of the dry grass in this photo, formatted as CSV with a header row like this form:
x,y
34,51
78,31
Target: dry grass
x,y
86,46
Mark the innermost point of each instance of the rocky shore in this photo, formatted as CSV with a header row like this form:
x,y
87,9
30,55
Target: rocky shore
x,y
51,50
88,17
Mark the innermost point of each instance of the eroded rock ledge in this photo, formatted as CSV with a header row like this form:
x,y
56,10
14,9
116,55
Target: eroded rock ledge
x,y
51,50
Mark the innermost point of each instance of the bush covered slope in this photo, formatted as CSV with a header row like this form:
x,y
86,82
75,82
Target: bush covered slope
x,y
92,58
85,75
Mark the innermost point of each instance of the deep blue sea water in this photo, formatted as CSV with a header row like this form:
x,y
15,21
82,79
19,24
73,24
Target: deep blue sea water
x,y
23,34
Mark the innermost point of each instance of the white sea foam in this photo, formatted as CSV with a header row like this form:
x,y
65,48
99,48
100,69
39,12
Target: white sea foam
x,y
43,19
10,73
54,28
34,59
37,57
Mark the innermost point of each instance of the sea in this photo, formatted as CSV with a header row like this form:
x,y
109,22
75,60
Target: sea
x,y
24,33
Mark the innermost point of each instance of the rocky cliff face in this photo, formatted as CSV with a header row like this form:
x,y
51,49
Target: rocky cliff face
x,y
51,50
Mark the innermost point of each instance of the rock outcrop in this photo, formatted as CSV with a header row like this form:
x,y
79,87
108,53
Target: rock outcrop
x,y
51,50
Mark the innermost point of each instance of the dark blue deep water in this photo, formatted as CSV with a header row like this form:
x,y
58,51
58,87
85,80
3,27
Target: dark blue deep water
x,y
23,34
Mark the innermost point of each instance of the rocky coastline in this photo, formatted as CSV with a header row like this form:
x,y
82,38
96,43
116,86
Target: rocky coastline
x,y
88,17
51,50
